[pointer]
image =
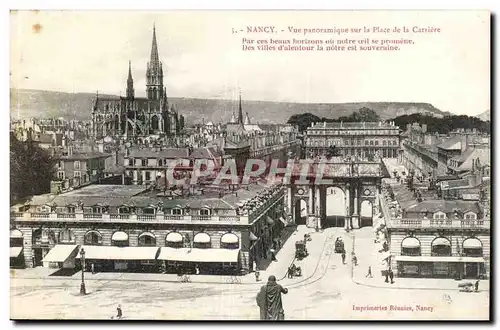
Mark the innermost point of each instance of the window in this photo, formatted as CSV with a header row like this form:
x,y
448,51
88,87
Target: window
x,y
346,142
366,143
77,174
77,164
470,216
92,238
148,210
371,143
176,211
376,142
384,143
439,215
359,142
60,175
71,209
66,236
131,162
148,175
124,210
160,162
96,209
204,212
144,162
61,165
441,247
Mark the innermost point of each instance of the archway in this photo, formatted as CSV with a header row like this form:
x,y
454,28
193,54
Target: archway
x,y
300,212
335,207
366,213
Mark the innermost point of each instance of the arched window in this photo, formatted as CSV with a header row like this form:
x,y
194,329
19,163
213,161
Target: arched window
x,y
472,247
202,240
119,238
229,241
174,239
441,246
66,237
204,211
147,239
410,246
149,210
92,237
124,210
177,211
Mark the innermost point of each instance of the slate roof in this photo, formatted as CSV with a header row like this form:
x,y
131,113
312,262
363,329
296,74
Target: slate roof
x,y
446,206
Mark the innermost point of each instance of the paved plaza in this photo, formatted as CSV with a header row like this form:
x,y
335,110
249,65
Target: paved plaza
x,y
328,290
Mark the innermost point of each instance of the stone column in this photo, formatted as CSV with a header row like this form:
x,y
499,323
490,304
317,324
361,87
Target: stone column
x,y
355,215
311,200
347,206
289,202
376,205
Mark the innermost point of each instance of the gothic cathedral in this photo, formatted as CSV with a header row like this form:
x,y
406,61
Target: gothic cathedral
x,y
130,117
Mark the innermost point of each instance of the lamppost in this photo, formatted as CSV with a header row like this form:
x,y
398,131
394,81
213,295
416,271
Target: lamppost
x,y
82,286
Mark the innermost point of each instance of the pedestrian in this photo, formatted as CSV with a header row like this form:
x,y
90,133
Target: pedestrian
x,y
290,272
387,276
354,259
269,300
343,257
391,275
273,254
369,274
476,286
254,264
92,267
119,313
197,269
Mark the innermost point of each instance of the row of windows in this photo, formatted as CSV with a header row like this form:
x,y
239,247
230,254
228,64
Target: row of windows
x,y
442,216
441,246
312,142
351,132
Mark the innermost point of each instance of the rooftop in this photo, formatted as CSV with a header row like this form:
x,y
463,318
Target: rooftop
x,y
356,125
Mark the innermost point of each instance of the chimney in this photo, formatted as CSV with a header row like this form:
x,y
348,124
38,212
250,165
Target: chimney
x,y
70,150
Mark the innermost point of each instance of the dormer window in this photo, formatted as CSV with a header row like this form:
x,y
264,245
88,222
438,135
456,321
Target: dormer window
x,y
97,209
144,162
131,162
124,210
176,211
71,209
204,211
439,215
470,216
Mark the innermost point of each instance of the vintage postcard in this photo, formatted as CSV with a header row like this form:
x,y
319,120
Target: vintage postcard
x,y
250,165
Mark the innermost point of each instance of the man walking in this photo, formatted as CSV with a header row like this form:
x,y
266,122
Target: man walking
x,y
343,257
269,300
369,274
476,286
391,275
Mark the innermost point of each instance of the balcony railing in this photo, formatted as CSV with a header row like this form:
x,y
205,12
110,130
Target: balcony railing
x,y
431,223
127,218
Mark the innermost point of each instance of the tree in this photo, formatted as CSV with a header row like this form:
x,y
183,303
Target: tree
x,y
303,120
31,169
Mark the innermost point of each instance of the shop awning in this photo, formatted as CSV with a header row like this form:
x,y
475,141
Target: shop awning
x,y
16,233
439,259
147,234
441,241
15,251
61,253
229,238
174,237
98,252
201,238
283,221
253,237
410,243
198,255
472,243
120,236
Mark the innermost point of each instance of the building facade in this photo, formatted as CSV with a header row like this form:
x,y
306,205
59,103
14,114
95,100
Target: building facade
x,y
363,139
155,233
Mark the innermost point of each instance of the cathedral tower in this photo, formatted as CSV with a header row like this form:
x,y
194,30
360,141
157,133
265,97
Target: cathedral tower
x,y
154,73
130,83
240,113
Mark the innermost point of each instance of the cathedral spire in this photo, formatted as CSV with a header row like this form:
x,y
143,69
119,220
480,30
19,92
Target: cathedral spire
x,y
240,112
154,73
154,48
130,83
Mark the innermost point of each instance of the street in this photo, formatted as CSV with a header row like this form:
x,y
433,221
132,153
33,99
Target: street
x,y
326,292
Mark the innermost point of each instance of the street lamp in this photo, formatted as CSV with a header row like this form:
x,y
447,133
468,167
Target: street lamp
x,y
82,286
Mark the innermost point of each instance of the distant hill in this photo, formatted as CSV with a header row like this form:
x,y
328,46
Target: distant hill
x,y
485,115
38,103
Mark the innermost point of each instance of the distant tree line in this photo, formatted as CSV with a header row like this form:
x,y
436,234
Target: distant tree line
x,y
304,120
443,125
434,125
31,169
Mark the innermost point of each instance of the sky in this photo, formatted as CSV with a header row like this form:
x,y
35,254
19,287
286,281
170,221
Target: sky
x,y
88,51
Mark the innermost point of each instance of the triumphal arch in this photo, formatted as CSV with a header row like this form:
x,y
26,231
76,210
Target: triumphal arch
x,y
335,193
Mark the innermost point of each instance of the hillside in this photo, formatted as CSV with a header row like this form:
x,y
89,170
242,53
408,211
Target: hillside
x,y
37,103
486,116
